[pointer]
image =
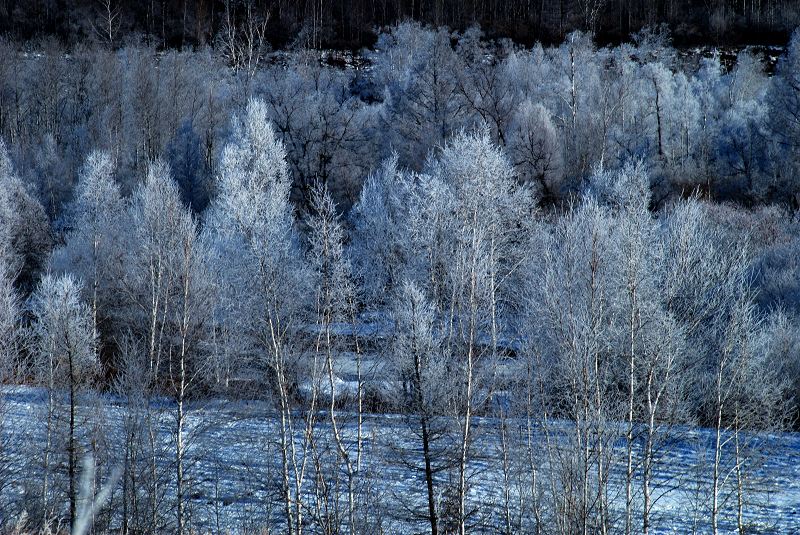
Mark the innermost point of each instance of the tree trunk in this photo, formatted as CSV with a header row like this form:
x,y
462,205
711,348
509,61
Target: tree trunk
x,y
71,445
426,453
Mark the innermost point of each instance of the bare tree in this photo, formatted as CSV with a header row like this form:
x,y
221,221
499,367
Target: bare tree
x,y
534,150
109,15
243,35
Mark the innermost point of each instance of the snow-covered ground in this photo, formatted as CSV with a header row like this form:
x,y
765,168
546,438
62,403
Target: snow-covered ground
x,y
234,467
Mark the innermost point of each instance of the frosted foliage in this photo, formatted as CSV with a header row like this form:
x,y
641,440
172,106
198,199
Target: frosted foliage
x,y
565,299
535,150
10,339
62,329
92,249
628,188
161,222
327,260
416,348
253,188
375,247
483,183
97,194
250,230
472,164
25,238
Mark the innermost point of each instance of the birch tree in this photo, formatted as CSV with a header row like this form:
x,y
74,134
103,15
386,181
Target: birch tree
x,y
12,344
572,295
421,365
64,343
488,220
251,224
334,304
91,249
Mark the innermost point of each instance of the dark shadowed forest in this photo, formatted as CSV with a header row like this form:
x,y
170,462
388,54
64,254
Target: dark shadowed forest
x,y
355,23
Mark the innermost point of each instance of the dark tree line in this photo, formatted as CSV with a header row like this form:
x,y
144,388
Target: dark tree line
x,y
353,23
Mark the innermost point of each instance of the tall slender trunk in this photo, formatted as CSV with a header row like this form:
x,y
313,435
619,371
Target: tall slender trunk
x,y
179,451
506,474
631,395
285,438
529,445
359,393
95,279
469,377
345,456
658,118
465,438
647,470
47,448
717,456
182,383
152,459
71,445
596,304
739,478
426,450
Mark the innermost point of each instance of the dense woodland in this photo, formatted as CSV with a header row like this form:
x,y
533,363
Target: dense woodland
x,y
580,252
355,23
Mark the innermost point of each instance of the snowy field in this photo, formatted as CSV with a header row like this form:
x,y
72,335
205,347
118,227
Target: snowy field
x,y
234,468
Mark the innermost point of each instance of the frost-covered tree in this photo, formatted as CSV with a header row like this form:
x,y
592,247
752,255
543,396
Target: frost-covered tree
x,y
335,296
27,224
251,226
401,231
578,96
487,223
91,249
186,367
419,362
374,248
784,96
741,391
709,88
157,223
11,363
454,231
574,287
710,294
64,350
648,339
171,296
782,355
423,106
10,324
743,147
534,149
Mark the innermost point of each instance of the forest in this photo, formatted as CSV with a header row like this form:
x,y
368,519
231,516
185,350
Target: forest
x,y
453,284
357,23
